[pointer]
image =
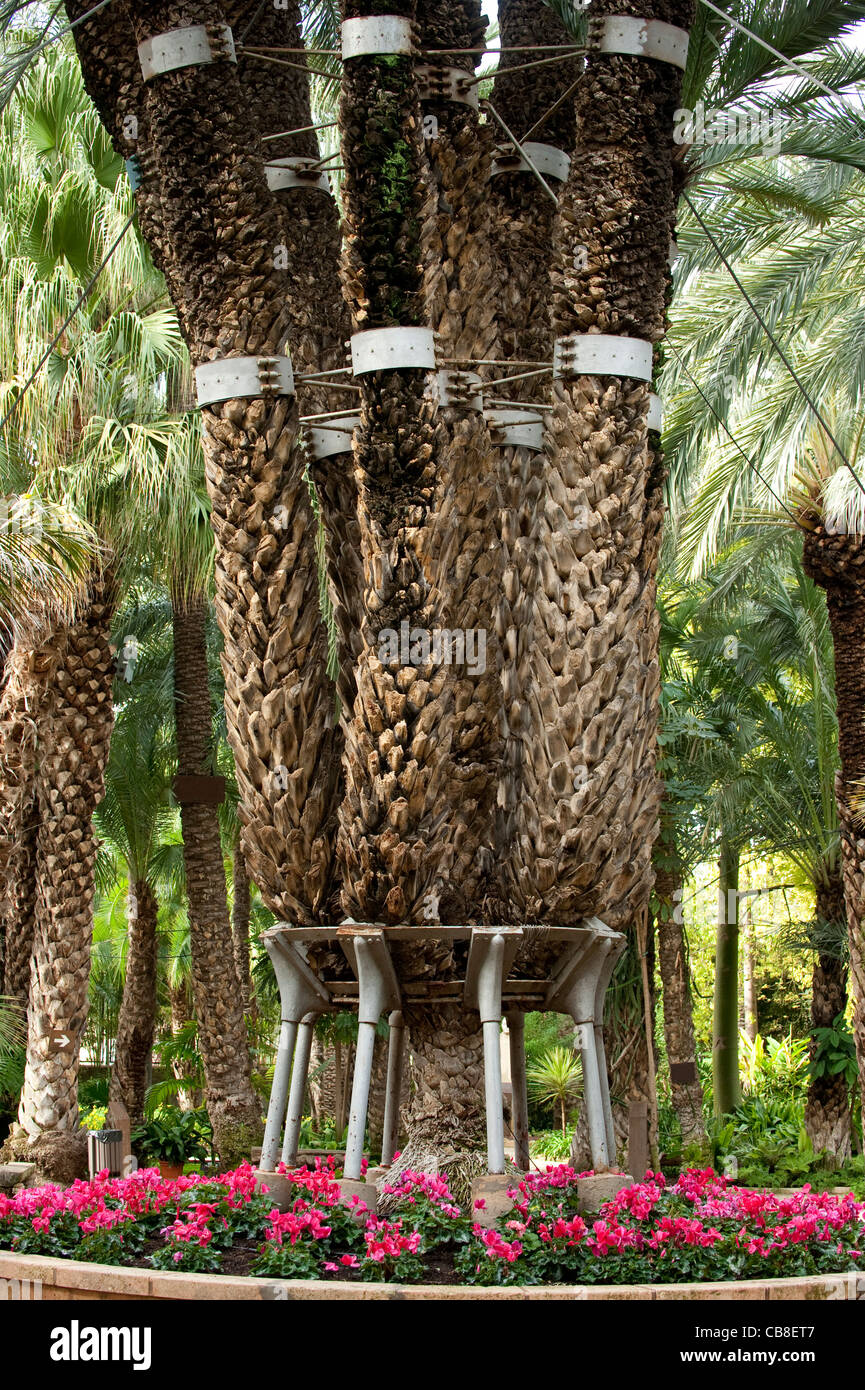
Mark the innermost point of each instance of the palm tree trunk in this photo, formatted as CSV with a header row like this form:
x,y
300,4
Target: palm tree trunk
x,y
234,1109
73,738
592,795
837,564
827,1107
725,1023
137,1019
28,673
521,220
679,1014
240,915
181,1013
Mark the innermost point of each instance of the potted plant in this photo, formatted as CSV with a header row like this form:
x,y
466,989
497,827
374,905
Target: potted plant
x,y
171,1139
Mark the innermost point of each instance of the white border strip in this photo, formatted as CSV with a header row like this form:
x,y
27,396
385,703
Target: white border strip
x,y
234,378
547,159
602,354
642,38
186,48
387,349
376,34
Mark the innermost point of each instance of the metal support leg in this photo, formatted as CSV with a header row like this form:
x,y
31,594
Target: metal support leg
x,y
393,1087
377,990
278,1093
489,986
301,993
593,1096
601,1054
299,1073
519,1090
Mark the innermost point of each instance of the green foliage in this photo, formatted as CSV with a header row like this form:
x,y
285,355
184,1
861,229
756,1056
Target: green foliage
x,y
557,1077
835,1052
174,1136
552,1143
774,1068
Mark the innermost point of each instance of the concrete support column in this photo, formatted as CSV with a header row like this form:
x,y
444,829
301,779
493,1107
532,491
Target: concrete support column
x,y
393,1087
376,990
519,1089
490,1008
299,1073
278,1094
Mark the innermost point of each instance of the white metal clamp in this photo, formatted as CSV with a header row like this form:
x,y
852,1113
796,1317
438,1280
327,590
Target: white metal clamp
x,y
640,38
324,441
386,349
234,378
376,35
186,48
458,390
547,159
656,412
602,354
446,84
295,171
523,427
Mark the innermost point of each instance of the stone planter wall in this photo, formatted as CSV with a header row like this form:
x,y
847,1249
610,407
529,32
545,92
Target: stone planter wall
x,y
72,1280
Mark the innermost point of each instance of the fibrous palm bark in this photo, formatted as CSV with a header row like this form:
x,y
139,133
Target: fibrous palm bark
x,y
74,734
837,564
592,793
28,673
234,1110
827,1106
521,215
136,1021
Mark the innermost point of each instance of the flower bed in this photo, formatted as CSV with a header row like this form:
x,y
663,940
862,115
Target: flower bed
x,y
701,1228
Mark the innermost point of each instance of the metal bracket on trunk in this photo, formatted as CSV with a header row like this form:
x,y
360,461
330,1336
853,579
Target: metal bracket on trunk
x,y
639,38
388,349
547,159
234,378
446,84
458,390
186,48
602,354
523,427
296,171
386,34
327,440
656,413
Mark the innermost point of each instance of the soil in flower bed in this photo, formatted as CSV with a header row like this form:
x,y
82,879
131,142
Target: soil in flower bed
x,y
698,1228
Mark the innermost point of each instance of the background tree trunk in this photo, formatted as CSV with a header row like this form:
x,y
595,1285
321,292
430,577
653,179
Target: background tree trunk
x,y
234,1109
837,564
725,1020
74,734
827,1107
678,1011
137,1018
240,917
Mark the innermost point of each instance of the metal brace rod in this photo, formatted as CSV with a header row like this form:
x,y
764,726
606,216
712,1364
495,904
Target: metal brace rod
x,y
300,130
538,175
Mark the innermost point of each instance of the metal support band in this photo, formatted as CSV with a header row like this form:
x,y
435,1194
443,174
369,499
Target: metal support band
x,y
458,390
446,84
376,34
639,38
295,171
186,48
656,413
387,349
324,442
602,354
234,378
547,159
521,427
